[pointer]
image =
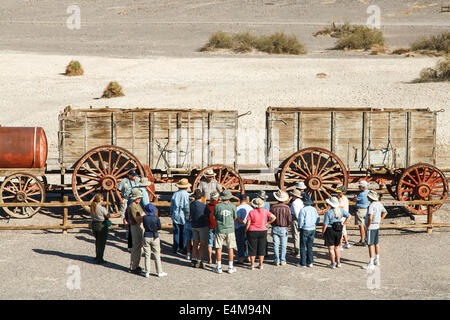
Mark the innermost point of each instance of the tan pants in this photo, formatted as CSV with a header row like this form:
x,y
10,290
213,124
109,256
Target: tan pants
x,y
295,234
137,235
153,245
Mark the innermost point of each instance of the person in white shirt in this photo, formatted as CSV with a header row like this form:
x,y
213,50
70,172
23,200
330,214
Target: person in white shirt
x,y
296,206
343,203
375,214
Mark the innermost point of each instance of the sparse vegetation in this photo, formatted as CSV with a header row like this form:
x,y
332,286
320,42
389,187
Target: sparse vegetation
x,y
114,89
335,31
74,69
400,51
361,37
441,72
439,43
277,43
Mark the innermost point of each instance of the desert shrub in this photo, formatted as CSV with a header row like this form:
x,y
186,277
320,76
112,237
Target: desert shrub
x,y
377,49
335,31
114,89
401,51
361,37
440,43
74,69
218,40
280,43
441,72
245,42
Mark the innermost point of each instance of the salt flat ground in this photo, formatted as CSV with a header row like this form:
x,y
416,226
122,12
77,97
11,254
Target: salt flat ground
x,y
39,265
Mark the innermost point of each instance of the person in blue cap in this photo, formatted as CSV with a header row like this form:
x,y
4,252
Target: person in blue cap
x,y
152,225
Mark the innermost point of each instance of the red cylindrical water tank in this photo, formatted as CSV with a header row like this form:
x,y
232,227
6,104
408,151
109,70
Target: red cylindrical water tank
x,y
23,147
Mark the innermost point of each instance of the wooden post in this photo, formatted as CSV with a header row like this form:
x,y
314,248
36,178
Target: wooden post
x,y
66,213
430,219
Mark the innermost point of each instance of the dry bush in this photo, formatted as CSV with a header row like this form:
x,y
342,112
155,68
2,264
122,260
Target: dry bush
x,y
401,51
218,40
335,31
377,49
439,43
441,72
361,37
279,43
74,69
113,90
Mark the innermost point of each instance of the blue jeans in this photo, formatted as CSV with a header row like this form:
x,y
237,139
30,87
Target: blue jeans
x,y
179,243
306,246
240,242
211,237
280,237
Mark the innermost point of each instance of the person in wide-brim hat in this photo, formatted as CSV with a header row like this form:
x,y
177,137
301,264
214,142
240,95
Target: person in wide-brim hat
x,y
307,201
135,194
281,195
300,185
262,195
372,195
333,202
183,184
209,173
144,182
257,203
296,193
226,195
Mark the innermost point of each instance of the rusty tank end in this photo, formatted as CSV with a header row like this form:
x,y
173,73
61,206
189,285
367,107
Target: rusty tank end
x,y
23,147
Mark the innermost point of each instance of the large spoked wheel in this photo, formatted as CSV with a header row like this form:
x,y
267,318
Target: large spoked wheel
x,y
422,182
321,171
226,176
22,188
100,170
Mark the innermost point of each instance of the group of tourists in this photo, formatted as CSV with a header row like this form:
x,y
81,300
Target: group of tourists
x,y
206,220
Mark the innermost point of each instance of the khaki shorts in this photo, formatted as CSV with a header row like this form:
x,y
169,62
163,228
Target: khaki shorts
x,y
360,216
228,240
200,234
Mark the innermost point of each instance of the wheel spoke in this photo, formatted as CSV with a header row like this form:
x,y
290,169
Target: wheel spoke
x,y
9,190
306,164
87,177
105,170
324,166
437,194
88,192
109,161
431,175
33,200
333,175
296,173
87,184
313,170
122,167
408,183
330,168
300,168
115,164
124,173
418,175
412,178
95,165
8,197
90,171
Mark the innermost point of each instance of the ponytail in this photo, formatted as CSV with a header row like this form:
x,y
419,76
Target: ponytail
x,y
96,200
337,212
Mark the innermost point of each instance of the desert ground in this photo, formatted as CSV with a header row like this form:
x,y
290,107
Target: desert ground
x,y
151,49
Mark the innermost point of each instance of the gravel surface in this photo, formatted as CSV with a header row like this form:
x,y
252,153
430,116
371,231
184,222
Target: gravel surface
x,y
39,265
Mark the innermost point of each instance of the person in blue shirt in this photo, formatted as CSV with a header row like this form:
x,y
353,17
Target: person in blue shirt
x,y
362,203
179,209
333,222
308,217
152,225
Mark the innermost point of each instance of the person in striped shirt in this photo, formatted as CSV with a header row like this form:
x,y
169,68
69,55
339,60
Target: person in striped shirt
x,y
280,226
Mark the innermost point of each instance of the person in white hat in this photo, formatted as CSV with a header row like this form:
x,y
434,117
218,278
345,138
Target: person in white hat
x,y
362,203
124,187
375,214
179,209
344,204
209,184
296,205
333,222
136,229
280,227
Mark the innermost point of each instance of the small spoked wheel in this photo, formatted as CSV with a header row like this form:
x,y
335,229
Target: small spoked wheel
x,y
101,170
422,181
22,188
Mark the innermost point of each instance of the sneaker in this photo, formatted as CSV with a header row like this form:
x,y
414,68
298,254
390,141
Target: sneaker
x,y
251,267
231,270
338,265
347,246
260,267
377,262
188,257
162,274
297,255
369,267
310,265
147,275
299,265
201,265
332,265
217,270
138,270
277,264
341,248
283,263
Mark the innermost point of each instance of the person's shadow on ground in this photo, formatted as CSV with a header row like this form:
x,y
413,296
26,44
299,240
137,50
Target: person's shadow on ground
x,y
79,257
110,241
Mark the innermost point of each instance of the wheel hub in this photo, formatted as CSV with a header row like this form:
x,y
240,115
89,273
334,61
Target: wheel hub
x,y
314,182
109,183
21,196
423,190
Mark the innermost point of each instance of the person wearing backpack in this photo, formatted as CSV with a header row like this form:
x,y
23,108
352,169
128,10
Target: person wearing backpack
x,y
333,222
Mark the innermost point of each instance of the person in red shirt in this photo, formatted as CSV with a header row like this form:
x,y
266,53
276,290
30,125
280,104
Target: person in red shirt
x,y
212,223
256,231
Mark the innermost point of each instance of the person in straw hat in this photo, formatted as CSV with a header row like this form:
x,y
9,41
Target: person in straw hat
x,y
256,231
263,195
296,205
333,220
343,203
280,226
362,203
137,231
225,215
179,209
209,184
375,214
308,218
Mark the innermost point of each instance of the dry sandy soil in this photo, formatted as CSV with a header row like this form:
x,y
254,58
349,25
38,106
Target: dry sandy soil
x,y
150,48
